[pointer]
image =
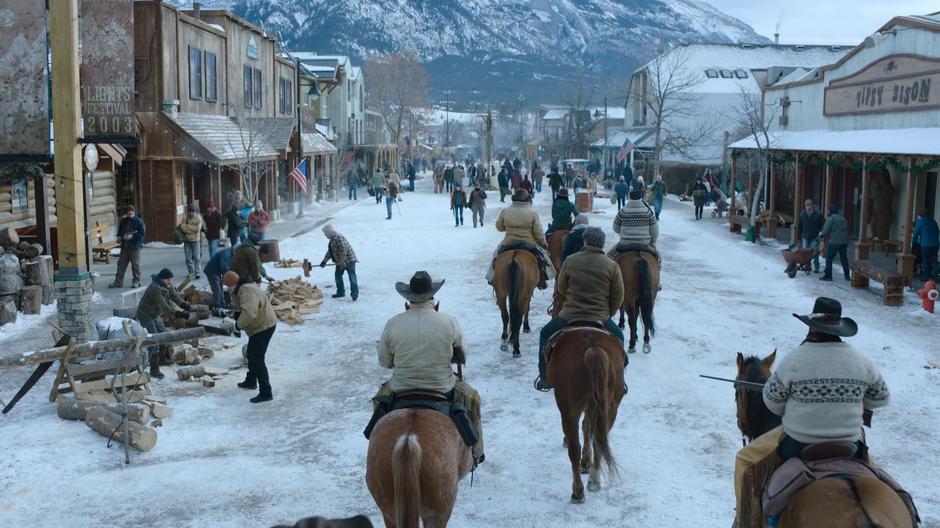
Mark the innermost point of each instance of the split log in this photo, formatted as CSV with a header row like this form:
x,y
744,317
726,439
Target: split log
x,y
206,352
108,424
185,356
9,237
207,381
186,373
31,299
7,310
33,250
72,409
158,410
39,273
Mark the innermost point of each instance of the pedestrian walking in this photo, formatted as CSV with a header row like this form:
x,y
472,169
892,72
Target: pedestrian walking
x,y
160,300
214,223
191,227
477,203
808,228
238,213
131,231
659,194
516,180
258,220
411,177
538,175
459,175
503,180
555,181
233,224
215,269
352,182
378,182
458,200
341,252
621,190
927,234
836,230
392,195
699,195
449,179
256,317
527,185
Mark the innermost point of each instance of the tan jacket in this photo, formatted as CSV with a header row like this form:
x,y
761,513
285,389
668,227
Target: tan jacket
x,y
191,226
418,345
521,224
257,315
591,284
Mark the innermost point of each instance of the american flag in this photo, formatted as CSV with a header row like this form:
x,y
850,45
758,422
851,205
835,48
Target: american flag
x,y
625,150
404,142
299,175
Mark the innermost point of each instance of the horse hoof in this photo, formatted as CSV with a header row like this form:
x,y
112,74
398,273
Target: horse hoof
x,y
586,471
504,347
622,326
526,330
631,350
516,354
647,348
593,486
577,500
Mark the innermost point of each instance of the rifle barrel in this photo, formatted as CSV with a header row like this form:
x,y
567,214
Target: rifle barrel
x,y
746,384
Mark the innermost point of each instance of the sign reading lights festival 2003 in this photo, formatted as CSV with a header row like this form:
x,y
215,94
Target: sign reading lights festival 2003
x,y
107,68
899,83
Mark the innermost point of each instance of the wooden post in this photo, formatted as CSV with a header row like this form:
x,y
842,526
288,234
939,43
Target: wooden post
x,y
751,198
862,247
772,221
906,259
42,213
827,190
797,198
732,210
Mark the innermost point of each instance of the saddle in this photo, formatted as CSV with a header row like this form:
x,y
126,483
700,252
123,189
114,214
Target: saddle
x,y
434,401
620,249
525,246
574,324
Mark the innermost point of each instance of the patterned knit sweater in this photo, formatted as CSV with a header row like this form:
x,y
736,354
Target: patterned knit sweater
x,y
821,389
636,224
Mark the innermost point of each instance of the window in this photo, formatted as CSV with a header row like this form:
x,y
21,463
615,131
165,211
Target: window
x,y
257,89
348,90
726,74
740,74
711,74
362,99
212,79
284,87
195,73
248,86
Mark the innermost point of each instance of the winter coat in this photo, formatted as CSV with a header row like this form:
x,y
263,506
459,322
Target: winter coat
x,y
392,190
340,251
258,221
378,180
449,174
563,213
419,344
246,262
352,180
159,300
699,194
555,181
503,180
521,224
256,313
477,199
458,199
516,179
526,184
459,175
131,226
622,190
659,190
191,226
538,175
636,224
926,232
836,229
627,173
591,284
219,263
234,221
214,223
574,242
810,225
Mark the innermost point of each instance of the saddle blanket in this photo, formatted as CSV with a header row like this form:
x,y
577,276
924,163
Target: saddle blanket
x,y
454,410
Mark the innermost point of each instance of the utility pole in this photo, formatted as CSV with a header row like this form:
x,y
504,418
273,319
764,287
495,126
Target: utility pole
x,y
447,122
724,158
300,145
522,145
606,153
73,281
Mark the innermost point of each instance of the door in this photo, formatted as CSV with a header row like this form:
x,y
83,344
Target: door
x,y
930,194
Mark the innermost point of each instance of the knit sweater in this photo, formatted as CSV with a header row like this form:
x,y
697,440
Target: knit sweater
x,y
636,224
821,389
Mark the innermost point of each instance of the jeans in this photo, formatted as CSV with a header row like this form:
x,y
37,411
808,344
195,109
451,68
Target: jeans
x,y
477,212
378,194
458,215
258,234
556,324
213,247
215,284
928,262
352,193
388,205
153,326
191,251
657,206
813,244
841,250
411,185
257,348
132,256
699,209
350,270
242,235
621,201
538,185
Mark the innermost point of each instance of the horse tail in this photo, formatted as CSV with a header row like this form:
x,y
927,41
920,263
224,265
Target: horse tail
x,y
516,280
645,294
406,478
600,406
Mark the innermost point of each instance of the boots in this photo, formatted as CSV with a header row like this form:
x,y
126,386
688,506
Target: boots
x,y
264,395
250,383
155,366
338,295
543,277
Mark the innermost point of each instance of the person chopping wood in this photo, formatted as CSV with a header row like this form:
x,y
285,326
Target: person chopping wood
x,y
255,315
160,299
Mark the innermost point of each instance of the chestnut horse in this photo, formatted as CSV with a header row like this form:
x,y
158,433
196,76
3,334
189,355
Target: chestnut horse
x,y
586,369
640,272
416,458
556,245
515,276
831,502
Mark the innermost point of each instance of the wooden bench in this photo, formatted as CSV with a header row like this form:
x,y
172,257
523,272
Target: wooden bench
x,y
863,270
104,241
737,222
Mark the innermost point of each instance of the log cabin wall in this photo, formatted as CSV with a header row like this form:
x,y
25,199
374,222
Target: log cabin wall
x,y
17,213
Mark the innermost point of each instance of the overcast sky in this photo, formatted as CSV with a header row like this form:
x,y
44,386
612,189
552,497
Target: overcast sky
x,y
822,21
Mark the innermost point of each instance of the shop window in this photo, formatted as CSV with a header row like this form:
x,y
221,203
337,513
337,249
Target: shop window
x,y
195,73
19,191
726,74
711,74
247,74
257,88
212,78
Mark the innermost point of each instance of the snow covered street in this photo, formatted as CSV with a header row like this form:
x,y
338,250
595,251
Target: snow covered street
x,y
222,462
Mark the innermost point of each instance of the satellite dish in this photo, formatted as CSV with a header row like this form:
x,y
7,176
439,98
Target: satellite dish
x,y
91,157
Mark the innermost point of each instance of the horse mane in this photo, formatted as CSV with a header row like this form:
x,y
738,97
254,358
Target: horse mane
x,y
757,418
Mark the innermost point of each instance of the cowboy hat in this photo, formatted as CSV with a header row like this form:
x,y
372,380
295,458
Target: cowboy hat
x,y
420,288
563,192
827,318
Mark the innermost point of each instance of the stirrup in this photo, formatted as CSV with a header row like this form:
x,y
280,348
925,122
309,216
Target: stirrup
x,y
535,384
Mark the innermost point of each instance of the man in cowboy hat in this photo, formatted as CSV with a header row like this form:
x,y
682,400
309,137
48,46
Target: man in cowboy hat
x,y
563,213
521,224
419,345
822,389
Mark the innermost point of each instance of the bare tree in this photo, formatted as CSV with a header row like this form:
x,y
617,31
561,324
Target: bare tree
x,y
397,86
251,142
578,97
752,120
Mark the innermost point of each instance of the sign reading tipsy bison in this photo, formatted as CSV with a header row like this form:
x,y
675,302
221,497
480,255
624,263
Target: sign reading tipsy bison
x,y
24,101
898,83
107,71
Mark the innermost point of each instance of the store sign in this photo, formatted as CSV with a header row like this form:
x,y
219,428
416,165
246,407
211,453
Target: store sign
x,y
24,100
107,68
898,83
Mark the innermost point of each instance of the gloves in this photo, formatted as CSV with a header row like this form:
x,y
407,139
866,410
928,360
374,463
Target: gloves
x,y
186,306
323,264
128,236
182,314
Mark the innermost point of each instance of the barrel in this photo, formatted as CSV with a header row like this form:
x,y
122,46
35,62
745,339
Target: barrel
x,y
584,201
274,251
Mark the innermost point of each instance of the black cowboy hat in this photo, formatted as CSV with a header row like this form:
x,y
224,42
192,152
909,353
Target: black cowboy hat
x,y
420,288
563,192
827,318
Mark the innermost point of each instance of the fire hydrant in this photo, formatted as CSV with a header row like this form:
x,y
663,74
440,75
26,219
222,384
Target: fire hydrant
x,y
929,295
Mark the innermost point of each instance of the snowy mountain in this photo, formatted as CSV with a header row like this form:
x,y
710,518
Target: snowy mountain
x,y
499,47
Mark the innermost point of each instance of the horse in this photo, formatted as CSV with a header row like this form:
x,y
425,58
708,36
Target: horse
x,y
640,272
556,245
586,369
515,276
416,459
757,418
848,502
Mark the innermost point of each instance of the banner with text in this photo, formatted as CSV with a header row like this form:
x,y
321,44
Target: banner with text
x,y
107,69
898,83
24,95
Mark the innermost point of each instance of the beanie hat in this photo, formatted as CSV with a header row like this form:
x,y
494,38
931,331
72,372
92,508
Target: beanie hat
x,y
808,203
165,273
581,220
193,208
210,204
833,208
636,194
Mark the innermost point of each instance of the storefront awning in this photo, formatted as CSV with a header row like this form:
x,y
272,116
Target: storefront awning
x,y
225,139
898,142
316,144
641,137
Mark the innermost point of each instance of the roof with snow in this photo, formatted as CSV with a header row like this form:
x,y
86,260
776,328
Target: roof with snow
x,y
224,138
903,141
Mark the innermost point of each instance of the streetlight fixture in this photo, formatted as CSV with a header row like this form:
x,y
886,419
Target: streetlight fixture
x,y
522,144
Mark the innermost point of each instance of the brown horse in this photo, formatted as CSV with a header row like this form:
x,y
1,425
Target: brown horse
x,y
586,368
831,502
556,245
640,272
416,458
515,276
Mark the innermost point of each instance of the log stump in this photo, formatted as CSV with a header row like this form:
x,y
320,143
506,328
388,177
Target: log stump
x,y
39,273
108,424
9,238
7,309
72,409
31,299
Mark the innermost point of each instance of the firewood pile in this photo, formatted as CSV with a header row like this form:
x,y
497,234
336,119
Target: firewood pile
x,y
293,263
294,298
25,277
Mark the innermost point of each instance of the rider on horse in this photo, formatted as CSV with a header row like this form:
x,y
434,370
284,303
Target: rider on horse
x,y
522,226
821,389
574,242
419,345
563,213
636,224
591,289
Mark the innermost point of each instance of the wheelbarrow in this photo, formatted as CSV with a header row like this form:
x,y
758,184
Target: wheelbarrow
x,y
798,259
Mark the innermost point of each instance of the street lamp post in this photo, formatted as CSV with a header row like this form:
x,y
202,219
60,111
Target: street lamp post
x,y
447,121
606,153
522,126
